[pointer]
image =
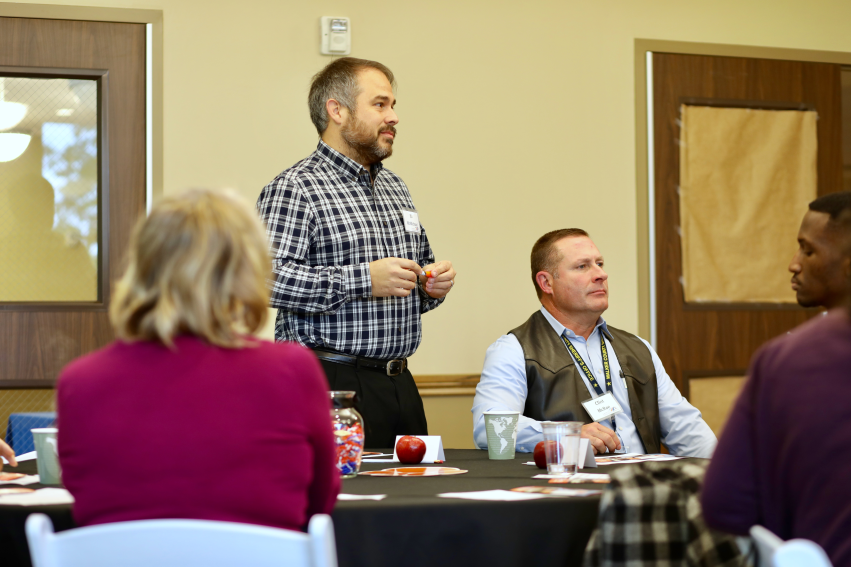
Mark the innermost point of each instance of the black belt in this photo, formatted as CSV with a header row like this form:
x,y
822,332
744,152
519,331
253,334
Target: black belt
x,y
393,367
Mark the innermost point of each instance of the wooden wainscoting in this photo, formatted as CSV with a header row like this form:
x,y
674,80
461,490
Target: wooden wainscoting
x,y
447,384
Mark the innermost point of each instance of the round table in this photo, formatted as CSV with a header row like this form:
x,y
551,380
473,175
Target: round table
x,y
413,526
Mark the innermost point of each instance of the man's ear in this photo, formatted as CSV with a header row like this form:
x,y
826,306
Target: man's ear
x,y
545,282
335,111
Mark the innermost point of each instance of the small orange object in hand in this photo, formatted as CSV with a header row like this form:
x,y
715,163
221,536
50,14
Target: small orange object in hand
x,y
428,274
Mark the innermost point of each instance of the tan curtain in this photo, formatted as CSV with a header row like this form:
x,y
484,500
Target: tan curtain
x,y
746,177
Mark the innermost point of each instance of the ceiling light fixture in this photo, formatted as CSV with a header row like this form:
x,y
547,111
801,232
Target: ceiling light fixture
x,y
12,145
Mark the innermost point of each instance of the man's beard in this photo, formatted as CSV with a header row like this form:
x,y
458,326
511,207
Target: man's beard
x,y
364,145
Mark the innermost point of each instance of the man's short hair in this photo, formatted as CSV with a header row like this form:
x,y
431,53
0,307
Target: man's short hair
x,y
838,207
546,257
834,204
339,80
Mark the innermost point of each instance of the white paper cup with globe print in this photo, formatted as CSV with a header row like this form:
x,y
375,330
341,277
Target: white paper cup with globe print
x,y
501,428
47,454
561,446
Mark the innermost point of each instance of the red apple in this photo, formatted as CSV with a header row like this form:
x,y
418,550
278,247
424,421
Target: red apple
x,y
540,455
410,450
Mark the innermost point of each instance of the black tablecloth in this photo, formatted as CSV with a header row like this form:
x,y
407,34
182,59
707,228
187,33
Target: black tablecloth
x,y
13,540
413,526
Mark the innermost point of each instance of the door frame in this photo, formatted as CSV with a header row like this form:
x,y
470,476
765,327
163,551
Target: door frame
x,y
153,20
103,292
644,155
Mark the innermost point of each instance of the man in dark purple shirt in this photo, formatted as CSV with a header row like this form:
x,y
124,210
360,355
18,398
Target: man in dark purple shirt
x,y
783,461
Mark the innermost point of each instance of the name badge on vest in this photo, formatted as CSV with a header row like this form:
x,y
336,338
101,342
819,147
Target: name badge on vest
x,y
602,407
412,221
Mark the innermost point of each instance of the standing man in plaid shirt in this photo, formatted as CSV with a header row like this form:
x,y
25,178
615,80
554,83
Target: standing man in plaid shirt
x,y
353,269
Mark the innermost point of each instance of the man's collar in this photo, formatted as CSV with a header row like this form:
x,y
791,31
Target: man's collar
x,y
562,330
344,164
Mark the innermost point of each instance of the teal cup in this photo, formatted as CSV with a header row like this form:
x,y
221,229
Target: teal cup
x,y
501,428
46,452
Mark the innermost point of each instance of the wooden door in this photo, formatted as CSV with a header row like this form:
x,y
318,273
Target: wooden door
x,y
37,338
702,340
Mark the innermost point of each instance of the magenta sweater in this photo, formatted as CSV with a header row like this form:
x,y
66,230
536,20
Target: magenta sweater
x,y
783,460
200,432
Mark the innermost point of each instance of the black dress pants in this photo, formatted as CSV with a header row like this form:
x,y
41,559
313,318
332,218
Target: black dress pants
x,y
390,405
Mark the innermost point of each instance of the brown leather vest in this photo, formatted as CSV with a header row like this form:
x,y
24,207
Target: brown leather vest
x,y
555,386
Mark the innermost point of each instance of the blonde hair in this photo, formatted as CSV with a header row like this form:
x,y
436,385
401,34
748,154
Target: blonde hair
x,y
197,266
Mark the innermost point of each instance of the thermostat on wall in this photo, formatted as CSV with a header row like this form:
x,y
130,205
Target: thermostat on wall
x,y
336,36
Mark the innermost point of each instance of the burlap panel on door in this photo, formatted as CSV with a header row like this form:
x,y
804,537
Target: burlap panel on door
x,y
746,177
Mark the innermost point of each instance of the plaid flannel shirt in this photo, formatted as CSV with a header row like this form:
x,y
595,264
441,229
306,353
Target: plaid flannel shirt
x,y
650,515
325,223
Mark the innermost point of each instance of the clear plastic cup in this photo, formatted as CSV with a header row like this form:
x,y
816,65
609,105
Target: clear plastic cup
x,y
561,445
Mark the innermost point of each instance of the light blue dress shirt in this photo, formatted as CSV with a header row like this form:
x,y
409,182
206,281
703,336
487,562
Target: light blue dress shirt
x,y
503,387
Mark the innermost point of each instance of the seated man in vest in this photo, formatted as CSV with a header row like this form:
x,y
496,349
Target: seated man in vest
x,y
552,363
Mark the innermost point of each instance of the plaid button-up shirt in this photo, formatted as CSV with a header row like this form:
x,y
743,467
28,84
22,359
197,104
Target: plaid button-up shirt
x,y
650,516
325,223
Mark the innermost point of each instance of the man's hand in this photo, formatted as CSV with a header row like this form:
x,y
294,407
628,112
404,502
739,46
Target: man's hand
x,y
6,451
393,277
441,280
601,438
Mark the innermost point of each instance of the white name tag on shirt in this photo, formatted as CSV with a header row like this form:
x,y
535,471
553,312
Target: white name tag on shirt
x,y
412,221
602,407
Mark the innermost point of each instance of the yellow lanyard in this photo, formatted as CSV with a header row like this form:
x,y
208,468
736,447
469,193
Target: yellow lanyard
x,y
587,370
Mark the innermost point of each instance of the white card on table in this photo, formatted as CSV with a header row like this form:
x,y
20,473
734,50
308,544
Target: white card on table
x,y
434,448
412,221
602,407
586,455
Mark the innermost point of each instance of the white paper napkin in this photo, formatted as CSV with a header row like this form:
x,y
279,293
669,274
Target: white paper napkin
x,y
342,496
578,477
42,497
23,481
21,458
503,495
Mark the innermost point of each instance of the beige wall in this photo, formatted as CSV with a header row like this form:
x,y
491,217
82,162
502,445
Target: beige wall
x,y
450,417
516,118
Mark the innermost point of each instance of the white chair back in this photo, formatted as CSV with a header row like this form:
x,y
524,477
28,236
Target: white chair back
x,y
766,545
178,543
774,552
801,553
